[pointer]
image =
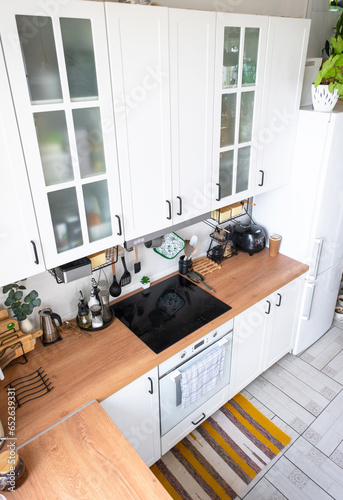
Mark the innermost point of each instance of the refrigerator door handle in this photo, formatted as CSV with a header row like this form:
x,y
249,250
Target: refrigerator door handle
x,y
307,301
317,250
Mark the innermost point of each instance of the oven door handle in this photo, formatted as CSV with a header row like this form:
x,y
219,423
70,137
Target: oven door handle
x,y
176,376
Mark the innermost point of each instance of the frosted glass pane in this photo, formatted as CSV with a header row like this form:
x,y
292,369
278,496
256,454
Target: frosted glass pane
x,y
246,116
231,57
40,60
97,208
52,135
90,148
227,134
65,219
225,173
251,40
79,58
243,167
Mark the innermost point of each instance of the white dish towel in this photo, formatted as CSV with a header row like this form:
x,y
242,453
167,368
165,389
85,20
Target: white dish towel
x,y
202,376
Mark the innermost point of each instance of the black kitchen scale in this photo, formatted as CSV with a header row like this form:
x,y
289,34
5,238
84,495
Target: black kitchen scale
x,y
168,311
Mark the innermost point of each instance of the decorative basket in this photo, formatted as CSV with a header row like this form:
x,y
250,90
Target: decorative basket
x,y
322,99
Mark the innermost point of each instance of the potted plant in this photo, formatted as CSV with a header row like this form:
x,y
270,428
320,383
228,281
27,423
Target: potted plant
x,y
330,48
21,306
145,281
328,86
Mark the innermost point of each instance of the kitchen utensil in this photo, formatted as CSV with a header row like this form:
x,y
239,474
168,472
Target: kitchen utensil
x,y
69,325
188,251
137,266
126,277
249,238
198,279
115,288
192,253
50,330
193,241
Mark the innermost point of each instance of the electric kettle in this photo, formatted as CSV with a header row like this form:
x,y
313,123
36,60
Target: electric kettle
x,y
50,329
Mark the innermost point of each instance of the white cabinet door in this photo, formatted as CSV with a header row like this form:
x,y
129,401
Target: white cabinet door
x,y
285,65
281,325
239,75
192,54
138,45
20,249
59,75
135,411
248,346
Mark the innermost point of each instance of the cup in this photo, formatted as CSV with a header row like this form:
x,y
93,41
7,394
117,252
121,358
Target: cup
x,y
274,244
185,265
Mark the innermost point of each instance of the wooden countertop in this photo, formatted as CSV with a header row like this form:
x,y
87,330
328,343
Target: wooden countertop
x,y
86,457
82,369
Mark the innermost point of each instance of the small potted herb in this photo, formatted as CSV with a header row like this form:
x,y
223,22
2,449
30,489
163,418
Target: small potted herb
x,y
145,281
21,306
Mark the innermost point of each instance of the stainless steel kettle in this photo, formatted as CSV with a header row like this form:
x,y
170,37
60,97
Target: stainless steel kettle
x,y
50,329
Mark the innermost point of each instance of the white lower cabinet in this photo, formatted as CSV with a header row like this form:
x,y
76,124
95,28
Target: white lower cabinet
x,y
135,411
263,334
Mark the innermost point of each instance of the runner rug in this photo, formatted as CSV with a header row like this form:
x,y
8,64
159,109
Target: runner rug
x,y
221,456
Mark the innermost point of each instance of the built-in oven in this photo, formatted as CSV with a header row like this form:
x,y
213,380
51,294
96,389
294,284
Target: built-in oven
x,y
194,383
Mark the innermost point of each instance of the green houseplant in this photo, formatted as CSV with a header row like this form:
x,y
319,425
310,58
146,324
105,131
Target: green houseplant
x,y
145,281
328,85
330,45
21,306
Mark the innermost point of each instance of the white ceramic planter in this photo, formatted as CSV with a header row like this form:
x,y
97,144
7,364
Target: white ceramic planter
x,y
322,99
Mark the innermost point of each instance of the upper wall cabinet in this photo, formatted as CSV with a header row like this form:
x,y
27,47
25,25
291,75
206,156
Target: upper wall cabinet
x,y
192,55
285,65
59,74
21,254
139,55
239,74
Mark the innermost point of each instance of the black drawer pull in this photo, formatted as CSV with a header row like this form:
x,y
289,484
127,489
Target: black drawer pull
x,y
119,224
262,178
36,261
279,301
180,209
201,418
169,206
151,390
219,192
267,312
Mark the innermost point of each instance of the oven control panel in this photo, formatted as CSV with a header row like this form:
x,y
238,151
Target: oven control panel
x,y
196,347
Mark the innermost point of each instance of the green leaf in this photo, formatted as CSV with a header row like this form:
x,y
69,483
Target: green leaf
x,y
18,295
22,287
36,302
25,309
6,288
8,302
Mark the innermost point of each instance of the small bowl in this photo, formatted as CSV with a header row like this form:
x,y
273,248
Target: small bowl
x,y
338,316
340,301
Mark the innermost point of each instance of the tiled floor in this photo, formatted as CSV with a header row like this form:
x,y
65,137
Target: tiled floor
x,y
303,395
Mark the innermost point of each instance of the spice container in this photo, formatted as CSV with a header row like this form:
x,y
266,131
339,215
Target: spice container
x,y
12,471
83,318
97,321
105,304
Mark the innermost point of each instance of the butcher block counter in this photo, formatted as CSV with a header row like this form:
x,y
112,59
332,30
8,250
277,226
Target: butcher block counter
x,y
82,369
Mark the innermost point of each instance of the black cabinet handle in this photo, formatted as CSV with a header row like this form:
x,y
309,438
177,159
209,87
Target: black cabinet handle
x,y
180,209
279,301
151,391
219,192
269,305
169,206
262,178
36,261
119,224
201,418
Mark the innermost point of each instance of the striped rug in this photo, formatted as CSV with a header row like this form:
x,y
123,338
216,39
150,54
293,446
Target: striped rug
x,y
221,456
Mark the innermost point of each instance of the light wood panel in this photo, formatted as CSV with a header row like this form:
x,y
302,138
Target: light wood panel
x,y
82,368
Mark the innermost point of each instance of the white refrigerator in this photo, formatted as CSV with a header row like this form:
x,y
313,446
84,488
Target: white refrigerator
x,y
308,213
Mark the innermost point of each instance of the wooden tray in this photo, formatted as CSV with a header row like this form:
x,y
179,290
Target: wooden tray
x,y
204,266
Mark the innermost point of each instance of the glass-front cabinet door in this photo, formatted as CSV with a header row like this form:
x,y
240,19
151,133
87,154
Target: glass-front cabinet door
x,y
241,45
59,74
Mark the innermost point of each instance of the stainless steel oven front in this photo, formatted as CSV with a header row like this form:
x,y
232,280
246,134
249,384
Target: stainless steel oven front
x,y
208,359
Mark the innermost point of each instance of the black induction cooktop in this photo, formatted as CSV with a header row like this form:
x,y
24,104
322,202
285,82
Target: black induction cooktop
x,y
168,311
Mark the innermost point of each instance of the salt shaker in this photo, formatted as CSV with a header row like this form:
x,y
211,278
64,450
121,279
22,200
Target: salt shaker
x,y
97,321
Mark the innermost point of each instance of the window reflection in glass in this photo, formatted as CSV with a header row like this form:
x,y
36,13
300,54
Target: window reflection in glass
x,y
243,167
228,120
251,40
226,173
231,57
65,219
39,53
97,206
79,58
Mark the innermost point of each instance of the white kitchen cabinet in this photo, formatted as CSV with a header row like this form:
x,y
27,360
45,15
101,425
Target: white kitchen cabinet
x,y
241,42
192,55
139,55
263,334
58,68
135,411
20,248
285,65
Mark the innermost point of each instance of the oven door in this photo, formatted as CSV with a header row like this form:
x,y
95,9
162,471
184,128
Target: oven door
x,y
176,405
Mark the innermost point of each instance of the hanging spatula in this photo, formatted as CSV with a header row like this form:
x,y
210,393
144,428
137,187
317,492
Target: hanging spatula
x,y
126,278
137,266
